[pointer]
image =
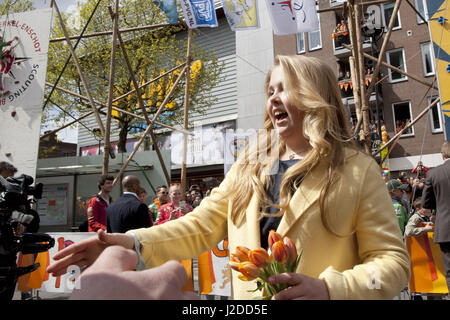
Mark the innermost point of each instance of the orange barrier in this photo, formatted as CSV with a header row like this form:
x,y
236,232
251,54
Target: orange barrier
x,y
427,268
34,279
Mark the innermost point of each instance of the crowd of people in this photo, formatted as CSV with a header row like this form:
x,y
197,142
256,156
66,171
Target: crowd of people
x,y
341,35
422,203
130,211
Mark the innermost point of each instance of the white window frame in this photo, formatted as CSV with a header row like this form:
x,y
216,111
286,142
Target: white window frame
x,y
425,10
395,120
422,46
298,37
438,106
388,60
335,3
383,17
319,31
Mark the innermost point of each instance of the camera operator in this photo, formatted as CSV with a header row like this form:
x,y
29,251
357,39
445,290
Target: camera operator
x,y
16,218
7,169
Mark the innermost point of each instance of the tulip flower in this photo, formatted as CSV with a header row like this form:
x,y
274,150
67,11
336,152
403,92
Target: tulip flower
x,y
234,258
234,265
249,271
241,253
257,264
291,249
259,257
273,237
280,252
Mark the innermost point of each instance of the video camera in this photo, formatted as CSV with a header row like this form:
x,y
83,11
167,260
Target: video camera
x,y
15,216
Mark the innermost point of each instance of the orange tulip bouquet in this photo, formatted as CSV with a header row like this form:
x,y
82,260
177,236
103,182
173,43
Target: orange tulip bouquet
x,y
258,264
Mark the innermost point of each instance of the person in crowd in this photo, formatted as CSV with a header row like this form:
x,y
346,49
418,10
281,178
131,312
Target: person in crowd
x,y
188,197
162,197
420,170
419,223
96,207
175,208
435,195
417,188
128,212
396,189
312,160
399,126
197,201
142,195
7,169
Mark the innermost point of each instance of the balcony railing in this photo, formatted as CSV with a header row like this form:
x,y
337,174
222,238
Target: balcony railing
x,y
346,86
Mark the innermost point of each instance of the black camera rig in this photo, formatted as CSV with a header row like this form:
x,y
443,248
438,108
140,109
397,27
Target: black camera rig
x,y
16,216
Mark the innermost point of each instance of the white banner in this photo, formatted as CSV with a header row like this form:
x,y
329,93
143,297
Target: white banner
x,y
64,284
293,16
22,75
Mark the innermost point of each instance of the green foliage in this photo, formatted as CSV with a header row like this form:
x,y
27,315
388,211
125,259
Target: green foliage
x,y
151,52
12,6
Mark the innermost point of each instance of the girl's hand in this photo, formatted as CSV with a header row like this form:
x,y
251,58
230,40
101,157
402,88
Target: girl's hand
x,y
84,253
301,287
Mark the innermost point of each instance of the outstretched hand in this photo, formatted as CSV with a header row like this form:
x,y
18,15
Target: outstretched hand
x,y
84,253
111,277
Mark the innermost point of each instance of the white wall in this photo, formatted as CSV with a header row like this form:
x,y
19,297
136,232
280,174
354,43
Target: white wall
x,y
254,57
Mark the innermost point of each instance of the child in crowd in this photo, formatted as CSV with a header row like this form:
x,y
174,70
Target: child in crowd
x,y
419,223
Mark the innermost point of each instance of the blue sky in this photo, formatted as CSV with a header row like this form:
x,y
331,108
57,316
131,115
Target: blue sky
x,y
64,5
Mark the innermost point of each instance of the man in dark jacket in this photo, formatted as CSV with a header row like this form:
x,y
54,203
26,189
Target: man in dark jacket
x,y
128,212
436,195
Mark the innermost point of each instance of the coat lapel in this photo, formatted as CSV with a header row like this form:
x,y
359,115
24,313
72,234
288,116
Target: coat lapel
x,y
305,196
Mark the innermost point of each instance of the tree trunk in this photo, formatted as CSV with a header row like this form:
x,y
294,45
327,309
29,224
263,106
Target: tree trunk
x,y
122,143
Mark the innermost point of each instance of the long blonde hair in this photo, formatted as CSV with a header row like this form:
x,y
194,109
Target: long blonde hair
x,y
312,87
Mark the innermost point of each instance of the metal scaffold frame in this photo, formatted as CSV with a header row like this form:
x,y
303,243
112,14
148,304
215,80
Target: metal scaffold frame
x,y
105,129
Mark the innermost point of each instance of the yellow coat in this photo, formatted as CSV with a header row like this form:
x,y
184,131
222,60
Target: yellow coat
x,y
371,263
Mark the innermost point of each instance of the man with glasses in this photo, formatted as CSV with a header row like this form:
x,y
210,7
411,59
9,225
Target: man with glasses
x,y
162,197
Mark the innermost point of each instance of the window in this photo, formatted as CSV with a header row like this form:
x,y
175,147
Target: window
x,y
314,38
387,10
402,117
301,43
427,59
435,116
396,58
421,7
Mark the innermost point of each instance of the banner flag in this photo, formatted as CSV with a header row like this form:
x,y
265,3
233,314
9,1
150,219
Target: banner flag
x,y
24,42
427,268
199,13
170,9
241,14
293,16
